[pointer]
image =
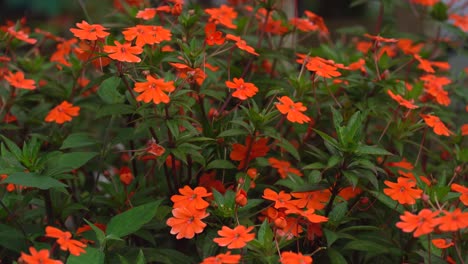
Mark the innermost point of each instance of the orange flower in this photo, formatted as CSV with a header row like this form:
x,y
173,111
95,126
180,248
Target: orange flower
x,y
406,45
311,200
222,15
244,90
126,175
222,258
461,189
249,152
364,46
186,223
437,125
191,199
146,34
453,221
17,80
21,35
380,39
460,21
464,130
426,65
189,74
410,176
64,240
123,52
62,113
62,51
146,14
349,192
38,257
402,101
241,44
281,199
213,37
442,243
309,214
425,2
317,20
433,85
154,149
86,31
402,191
85,52
153,90
303,24
209,181
234,238
283,167
289,257
404,164
275,27
293,110
422,223
322,67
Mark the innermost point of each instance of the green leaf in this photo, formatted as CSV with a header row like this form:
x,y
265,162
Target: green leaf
x,y
77,140
286,145
392,204
331,236
92,255
114,109
166,256
220,164
140,258
333,161
352,131
351,177
108,91
12,147
367,246
336,257
12,238
99,233
314,166
360,228
265,234
232,132
68,162
338,213
371,150
327,138
33,180
130,221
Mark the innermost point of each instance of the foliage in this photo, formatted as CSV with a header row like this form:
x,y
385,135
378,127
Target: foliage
x,y
175,134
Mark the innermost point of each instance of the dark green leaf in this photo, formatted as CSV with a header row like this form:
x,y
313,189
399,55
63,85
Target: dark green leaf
x,y
68,162
114,109
336,257
12,147
78,140
130,221
108,91
220,164
92,255
33,180
392,204
372,150
99,233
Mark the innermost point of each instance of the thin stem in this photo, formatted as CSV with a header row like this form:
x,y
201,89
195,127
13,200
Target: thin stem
x,y
48,207
15,220
83,7
378,25
421,146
